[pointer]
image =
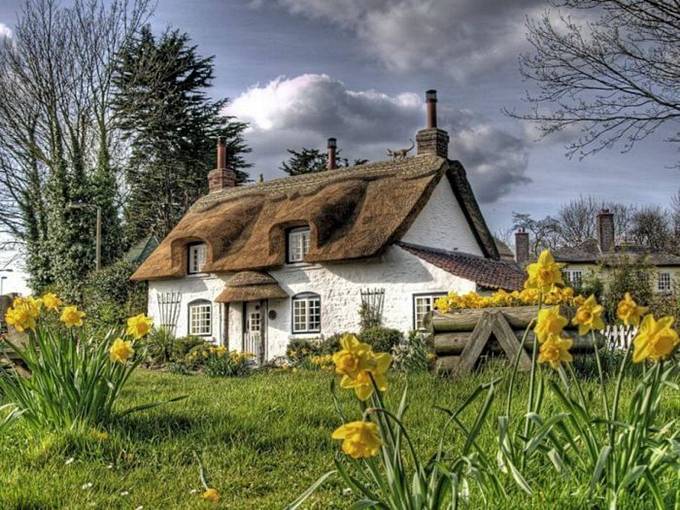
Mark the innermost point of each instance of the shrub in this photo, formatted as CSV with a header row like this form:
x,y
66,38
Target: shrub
x,y
183,345
382,339
109,296
299,349
223,363
412,355
197,356
159,345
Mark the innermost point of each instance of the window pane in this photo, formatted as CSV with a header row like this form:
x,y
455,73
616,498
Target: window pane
x,y
197,257
422,305
298,245
306,314
200,319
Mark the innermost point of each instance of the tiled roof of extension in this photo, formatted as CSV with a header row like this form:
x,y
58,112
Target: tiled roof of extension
x,y
496,274
351,212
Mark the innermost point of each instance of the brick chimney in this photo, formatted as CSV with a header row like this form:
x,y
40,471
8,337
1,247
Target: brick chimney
x,y
331,160
222,177
432,140
605,230
521,246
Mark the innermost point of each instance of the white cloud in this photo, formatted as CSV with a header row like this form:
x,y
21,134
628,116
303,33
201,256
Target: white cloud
x,y
5,31
305,110
459,38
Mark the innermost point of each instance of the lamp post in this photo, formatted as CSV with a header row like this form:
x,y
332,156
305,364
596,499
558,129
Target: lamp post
x,y
98,234
3,278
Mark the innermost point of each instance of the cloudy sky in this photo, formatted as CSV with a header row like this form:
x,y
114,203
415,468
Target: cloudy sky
x,y
300,71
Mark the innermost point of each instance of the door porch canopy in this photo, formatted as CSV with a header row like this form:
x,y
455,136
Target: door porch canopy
x,y
250,286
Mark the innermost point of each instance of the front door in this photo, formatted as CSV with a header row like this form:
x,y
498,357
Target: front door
x,y
254,334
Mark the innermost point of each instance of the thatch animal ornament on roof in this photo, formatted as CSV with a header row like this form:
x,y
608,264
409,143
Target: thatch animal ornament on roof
x,y
400,153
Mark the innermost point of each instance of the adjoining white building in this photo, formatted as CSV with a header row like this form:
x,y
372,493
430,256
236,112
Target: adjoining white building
x,y
254,266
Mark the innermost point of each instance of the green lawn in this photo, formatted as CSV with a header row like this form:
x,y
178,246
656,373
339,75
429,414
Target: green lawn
x,y
264,439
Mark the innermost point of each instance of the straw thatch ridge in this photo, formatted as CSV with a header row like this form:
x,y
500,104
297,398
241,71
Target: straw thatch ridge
x,y
251,293
351,213
247,278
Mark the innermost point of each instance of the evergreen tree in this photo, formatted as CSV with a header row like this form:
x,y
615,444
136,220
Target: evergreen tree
x,y
172,127
306,161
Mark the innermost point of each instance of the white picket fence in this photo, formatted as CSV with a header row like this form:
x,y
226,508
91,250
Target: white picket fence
x,y
619,336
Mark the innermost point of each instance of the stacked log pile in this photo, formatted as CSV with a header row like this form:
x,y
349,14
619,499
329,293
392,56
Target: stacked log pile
x,y
462,336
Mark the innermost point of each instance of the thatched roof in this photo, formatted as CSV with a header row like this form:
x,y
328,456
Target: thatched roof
x,y
250,286
495,274
352,213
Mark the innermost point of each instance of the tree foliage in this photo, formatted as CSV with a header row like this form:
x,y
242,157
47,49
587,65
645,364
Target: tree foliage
x,y
609,69
172,127
58,142
650,228
307,161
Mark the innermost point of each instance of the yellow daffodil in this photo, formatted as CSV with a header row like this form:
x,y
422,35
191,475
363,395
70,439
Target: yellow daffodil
x,y
121,350
529,296
656,340
360,439
20,317
544,273
377,367
51,301
555,350
352,358
629,311
589,316
71,316
578,301
211,495
139,326
549,322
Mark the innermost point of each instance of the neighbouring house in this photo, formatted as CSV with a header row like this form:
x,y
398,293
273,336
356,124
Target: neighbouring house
x,y
141,251
252,267
600,255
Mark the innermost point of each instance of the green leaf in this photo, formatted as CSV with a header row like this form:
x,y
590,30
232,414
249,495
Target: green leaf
x,y
312,488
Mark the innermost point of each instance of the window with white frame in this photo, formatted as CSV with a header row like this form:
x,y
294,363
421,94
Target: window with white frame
x,y
306,313
422,305
663,282
298,244
197,256
200,318
574,277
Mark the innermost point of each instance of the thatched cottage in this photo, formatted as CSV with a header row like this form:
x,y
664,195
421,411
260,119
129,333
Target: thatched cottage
x,y
253,266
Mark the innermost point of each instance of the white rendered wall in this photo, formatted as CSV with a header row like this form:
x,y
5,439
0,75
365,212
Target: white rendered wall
x,y
400,273
442,224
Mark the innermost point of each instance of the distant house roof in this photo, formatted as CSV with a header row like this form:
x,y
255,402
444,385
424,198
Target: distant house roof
x,y
351,212
589,252
496,274
504,250
140,251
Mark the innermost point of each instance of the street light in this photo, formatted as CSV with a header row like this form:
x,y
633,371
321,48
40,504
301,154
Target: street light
x,y
3,278
98,235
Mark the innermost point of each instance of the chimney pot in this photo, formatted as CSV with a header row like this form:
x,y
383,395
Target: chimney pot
x,y
221,177
221,152
431,100
521,247
432,140
331,161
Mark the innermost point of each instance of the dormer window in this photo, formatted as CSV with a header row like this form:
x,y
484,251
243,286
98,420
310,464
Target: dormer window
x,y
298,244
197,256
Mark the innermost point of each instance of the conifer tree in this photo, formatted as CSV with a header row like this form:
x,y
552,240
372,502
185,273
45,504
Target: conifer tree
x,y
172,127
